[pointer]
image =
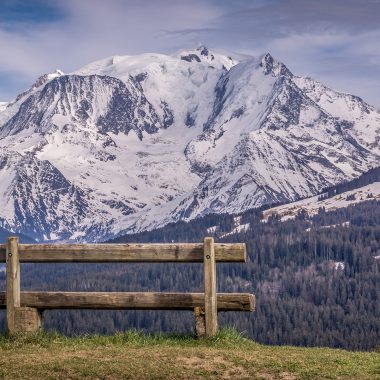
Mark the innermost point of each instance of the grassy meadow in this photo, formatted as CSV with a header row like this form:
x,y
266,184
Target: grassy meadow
x,y
133,355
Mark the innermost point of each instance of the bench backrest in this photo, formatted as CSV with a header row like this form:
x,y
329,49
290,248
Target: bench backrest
x,y
207,303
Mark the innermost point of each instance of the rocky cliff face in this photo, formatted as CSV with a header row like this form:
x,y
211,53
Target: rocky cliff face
x,y
132,143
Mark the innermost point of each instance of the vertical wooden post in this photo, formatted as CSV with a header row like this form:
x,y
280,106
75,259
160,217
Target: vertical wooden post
x,y
27,320
200,325
12,282
211,311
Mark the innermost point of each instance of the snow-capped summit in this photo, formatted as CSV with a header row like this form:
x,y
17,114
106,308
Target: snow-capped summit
x,y
204,55
3,106
47,77
273,67
129,143
43,79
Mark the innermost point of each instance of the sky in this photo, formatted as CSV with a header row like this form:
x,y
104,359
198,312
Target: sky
x,y
334,41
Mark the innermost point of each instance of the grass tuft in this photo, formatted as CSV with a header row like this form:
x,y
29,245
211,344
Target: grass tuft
x,y
226,337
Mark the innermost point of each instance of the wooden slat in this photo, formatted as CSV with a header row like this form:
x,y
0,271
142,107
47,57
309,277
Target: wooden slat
x,y
133,301
103,253
211,312
12,282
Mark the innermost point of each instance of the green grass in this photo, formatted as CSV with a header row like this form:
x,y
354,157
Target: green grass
x,y
133,355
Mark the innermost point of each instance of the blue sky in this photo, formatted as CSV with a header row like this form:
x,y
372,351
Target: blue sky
x,y
334,41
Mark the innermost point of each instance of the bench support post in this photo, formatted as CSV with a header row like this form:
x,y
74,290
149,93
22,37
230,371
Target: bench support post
x,y
200,323
12,283
211,313
27,320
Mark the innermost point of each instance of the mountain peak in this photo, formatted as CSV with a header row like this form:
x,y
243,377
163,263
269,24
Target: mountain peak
x,y
271,66
3,106
198,54
202,54
203,50
43,79
47,77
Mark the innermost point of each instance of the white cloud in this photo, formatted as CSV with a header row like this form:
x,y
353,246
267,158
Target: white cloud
x,y
335,41
95,29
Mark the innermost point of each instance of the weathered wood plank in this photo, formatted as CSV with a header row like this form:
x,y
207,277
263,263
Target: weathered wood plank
x,y
12,282
102,253
211,311
131,300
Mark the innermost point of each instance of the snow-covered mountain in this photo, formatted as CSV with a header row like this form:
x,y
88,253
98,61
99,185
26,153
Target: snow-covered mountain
x,y
134,142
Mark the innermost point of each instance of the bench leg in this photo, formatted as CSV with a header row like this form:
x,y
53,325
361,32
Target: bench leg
x,y
27,320
200,322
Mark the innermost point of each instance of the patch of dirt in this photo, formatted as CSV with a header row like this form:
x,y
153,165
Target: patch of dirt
x,y
265,376
281,376
287,376
227,369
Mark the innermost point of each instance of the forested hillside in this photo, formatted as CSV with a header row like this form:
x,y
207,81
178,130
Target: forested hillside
x,y
317,280
366,178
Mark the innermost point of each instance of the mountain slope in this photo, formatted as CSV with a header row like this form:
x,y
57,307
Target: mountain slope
x,y
362,189
132,143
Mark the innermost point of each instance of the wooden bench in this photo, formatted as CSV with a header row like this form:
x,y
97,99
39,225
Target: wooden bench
x,y
24,309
